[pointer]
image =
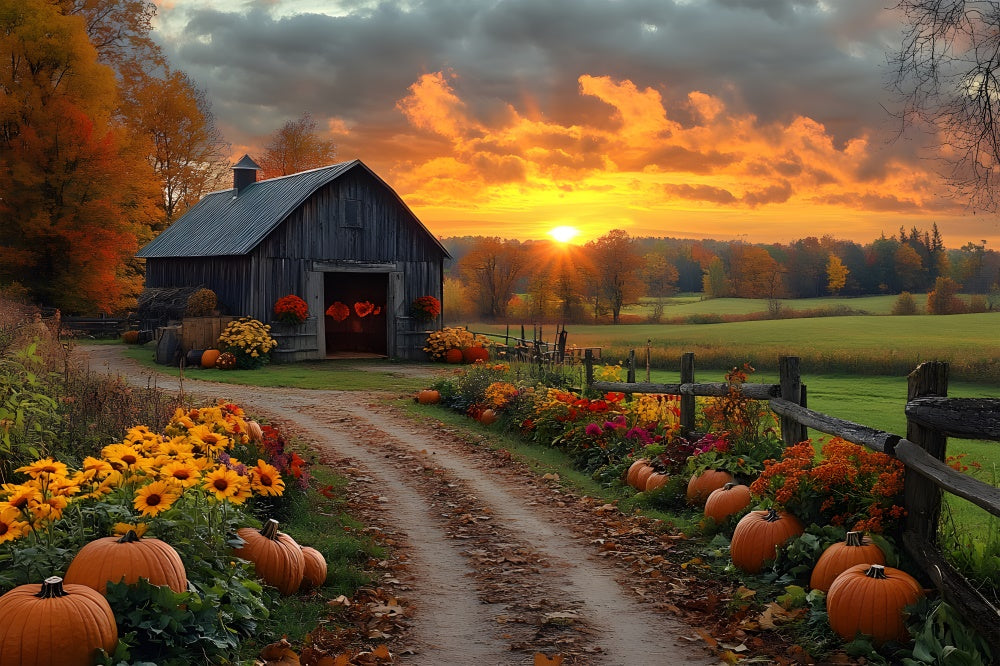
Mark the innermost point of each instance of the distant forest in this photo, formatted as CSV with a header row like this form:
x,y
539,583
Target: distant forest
x,y
545,278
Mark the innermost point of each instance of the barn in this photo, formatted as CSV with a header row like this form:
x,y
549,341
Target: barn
x,y
334,235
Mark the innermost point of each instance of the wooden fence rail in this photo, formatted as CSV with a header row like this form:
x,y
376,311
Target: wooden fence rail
x,y
932,417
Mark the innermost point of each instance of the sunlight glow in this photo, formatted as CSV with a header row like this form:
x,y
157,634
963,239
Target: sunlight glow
x,y
564,234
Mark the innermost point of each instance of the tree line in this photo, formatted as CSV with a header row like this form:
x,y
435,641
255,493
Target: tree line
x,y
493,278
102,146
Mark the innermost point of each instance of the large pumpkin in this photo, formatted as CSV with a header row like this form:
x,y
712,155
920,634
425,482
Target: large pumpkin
x,y
701,485
758,534
642,476
428,397
656,480
473,354
255,432
855,549
54,625
209,357
869,599
127,558
276,558
314,573
727,500
633,470
487,417
453,356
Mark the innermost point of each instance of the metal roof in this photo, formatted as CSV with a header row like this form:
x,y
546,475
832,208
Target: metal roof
x,y
223,224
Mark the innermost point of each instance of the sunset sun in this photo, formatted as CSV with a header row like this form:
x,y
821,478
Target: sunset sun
x,y
564,234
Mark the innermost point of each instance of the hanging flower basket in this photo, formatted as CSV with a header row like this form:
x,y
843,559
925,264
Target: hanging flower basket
x,y
338,311
425,308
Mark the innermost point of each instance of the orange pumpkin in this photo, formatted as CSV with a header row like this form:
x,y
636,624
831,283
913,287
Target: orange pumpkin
x,y
487,417
453,356
209,357
758,534
473,354
855,549
642,476
255,432
276,558
314,573
428,397
127,558
727,500
53,623
634,469
656,480
701,485
870,598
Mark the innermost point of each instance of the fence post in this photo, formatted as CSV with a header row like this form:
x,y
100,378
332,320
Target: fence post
x,y
588,367
792,432
630,374
922,497
687,400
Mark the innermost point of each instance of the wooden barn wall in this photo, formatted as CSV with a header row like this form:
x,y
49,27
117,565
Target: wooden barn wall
x,y
226,276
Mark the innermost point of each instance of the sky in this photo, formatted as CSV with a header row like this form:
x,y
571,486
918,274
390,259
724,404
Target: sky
x,y
754,120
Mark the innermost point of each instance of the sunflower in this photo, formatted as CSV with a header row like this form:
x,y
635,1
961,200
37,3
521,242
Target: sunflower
x,y
208,441
142,438
47,509
124,457
46,466
155,498
183,472
265,479
20,496
223,483
10,527
178,447
94,468
121,529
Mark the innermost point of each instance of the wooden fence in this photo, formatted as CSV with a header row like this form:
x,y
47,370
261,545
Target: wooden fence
x,y
536,349
931,417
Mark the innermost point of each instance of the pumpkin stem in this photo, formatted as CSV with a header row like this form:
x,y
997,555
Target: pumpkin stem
x,y
270,529
854,539
729,486
772,515
876,571
51,588
130,537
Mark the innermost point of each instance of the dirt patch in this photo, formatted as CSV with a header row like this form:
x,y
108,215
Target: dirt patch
x,y
491,563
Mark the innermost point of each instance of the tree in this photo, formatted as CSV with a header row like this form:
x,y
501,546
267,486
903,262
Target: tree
x,y
943,299
715,282
753,272
616,262
908,267
836,274
491,269
75,190
296,146
946,72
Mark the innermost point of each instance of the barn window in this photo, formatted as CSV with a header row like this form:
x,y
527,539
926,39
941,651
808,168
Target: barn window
x,y
353,213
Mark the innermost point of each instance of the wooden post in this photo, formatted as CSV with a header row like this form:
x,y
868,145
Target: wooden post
x,y
588,365
630,374
921,496
687,400
648,343
562,345
792,432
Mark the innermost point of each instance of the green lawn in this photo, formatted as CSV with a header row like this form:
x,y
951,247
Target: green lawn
x,y
682,305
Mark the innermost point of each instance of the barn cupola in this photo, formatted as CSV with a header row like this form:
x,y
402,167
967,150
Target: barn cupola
x,y
244,173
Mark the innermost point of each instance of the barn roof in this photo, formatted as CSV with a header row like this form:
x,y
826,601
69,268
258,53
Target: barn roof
x,y
223,224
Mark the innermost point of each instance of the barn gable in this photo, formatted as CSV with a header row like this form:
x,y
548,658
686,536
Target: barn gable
x,y
328,234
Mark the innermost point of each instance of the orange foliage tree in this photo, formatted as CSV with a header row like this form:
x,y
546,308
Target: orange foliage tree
x,y
616,263
491,269
296,146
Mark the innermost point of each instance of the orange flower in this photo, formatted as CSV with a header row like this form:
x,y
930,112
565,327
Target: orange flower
x,y
338,311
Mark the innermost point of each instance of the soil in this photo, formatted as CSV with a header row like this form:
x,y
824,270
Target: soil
x,y
489,563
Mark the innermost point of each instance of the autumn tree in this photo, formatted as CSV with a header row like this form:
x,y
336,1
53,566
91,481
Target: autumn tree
x,y
715,282
753,272
908,267
491,269
75,189
616,264
943,299
836,274
296,146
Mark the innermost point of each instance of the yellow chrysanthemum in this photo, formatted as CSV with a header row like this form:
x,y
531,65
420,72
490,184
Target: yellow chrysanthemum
x,y
10,527
185,473
266,480
223,483
46,467
121,529
155,498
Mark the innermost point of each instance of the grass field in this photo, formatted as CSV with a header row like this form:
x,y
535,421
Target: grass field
x,y
681,305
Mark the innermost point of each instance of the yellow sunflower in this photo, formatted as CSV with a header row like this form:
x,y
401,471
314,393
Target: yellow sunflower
x,y
47,467
95,468
123,457
121,529
155,498
184,472
266,480
21,495
10,527
223,483
47,509
208,441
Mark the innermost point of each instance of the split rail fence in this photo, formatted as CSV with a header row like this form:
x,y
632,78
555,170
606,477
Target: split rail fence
x,y
931,418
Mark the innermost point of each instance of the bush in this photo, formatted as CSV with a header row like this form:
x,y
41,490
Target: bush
x,y
201,303
944,298
249,341
905,304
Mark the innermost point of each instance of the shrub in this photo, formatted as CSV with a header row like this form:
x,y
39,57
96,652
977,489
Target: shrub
x,y
130,337
201,303
439,342
249,341
905,304
943,299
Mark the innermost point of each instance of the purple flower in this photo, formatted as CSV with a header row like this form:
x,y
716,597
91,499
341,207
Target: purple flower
x,y
593,429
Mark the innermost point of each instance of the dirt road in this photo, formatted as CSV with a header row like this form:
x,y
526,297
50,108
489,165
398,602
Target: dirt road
x,y
498,564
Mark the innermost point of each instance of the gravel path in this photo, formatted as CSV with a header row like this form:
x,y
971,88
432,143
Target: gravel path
x,y
496,566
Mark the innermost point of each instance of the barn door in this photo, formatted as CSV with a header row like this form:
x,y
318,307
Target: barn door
x,y
314,299
396,306
358,322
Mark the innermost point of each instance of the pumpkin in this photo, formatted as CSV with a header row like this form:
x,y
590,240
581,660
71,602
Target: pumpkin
x,y
634,469
255,432
758,534
656,480
428,397
226,361
870,598
209,357
701,485
855,549
487,417
642,476
54,624
314,573
727,500
127,558
276,558
453,356
473,354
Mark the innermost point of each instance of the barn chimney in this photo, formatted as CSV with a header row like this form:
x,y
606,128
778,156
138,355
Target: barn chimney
x,y
244,173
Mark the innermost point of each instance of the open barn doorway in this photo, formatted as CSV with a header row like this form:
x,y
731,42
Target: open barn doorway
x,y
355,304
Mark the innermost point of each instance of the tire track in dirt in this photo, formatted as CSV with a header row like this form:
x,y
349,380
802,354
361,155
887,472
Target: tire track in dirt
x,y
493,575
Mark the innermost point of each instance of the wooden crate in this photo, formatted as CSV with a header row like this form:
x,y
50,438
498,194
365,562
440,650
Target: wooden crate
x,y
202,332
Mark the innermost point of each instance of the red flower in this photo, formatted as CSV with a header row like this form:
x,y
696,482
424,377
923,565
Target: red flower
x,y
291,309
363,309
338,311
